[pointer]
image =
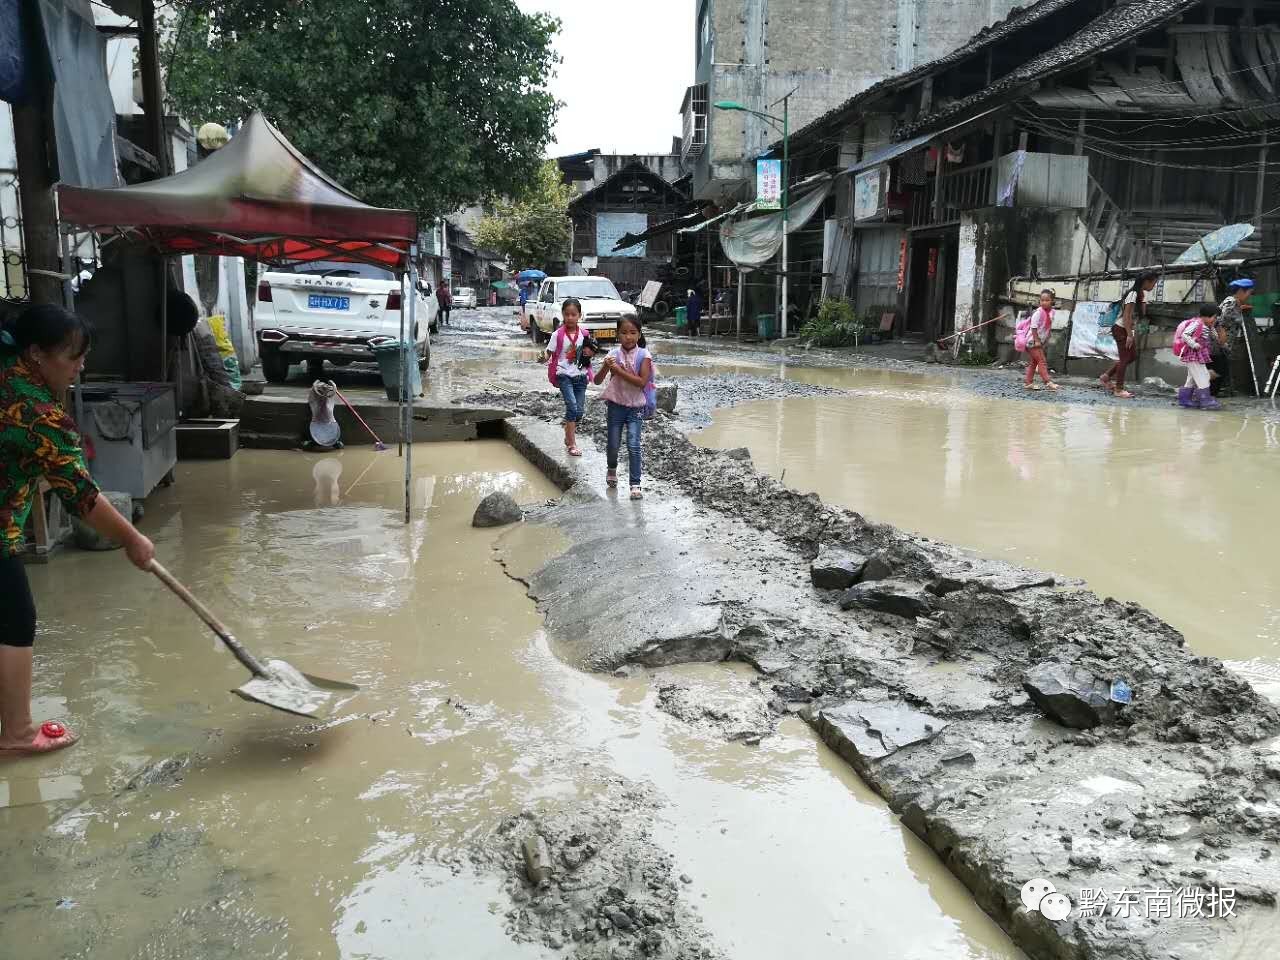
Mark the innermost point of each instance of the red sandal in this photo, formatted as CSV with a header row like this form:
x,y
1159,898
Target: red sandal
x,y
51,736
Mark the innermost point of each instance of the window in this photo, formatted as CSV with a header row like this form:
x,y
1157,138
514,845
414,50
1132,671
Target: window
x,y
704,32
546,292
335,268
593,288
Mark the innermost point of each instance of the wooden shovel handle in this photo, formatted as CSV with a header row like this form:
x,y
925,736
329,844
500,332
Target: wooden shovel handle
x,y
205,614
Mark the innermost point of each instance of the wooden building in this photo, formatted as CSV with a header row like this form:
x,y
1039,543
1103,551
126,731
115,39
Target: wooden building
x,y
629,201
1074,137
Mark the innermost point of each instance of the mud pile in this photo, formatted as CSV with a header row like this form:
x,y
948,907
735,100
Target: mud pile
x,y
916,678
609,891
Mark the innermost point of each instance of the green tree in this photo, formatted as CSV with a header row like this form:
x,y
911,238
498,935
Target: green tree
x,y
534,228
428,106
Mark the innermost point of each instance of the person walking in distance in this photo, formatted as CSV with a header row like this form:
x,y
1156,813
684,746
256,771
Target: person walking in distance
x,y
693,310
41,354
1193,345
1133,307
1032,336
630,369
445,299
569,369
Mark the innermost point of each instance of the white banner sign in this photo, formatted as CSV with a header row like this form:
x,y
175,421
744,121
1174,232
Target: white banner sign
x,y
870,193
1087,338
612,227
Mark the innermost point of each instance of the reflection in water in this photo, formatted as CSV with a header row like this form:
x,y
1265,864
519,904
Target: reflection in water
x,y
1172,509
287,839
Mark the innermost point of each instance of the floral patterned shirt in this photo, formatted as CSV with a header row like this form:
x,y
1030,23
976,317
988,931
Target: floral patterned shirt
x,y
37,439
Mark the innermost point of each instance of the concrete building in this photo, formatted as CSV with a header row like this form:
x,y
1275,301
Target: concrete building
x,y
755,52
587,171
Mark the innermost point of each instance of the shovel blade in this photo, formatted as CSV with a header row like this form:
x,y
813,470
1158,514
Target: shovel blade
x,y
286,688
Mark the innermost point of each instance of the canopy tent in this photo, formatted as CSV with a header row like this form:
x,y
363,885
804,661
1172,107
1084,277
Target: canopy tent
x,y
257,197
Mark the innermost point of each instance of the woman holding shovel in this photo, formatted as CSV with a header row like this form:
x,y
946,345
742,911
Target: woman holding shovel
x,y
41,354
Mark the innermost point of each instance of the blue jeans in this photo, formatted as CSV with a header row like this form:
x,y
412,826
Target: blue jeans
x,y
632,418
575,396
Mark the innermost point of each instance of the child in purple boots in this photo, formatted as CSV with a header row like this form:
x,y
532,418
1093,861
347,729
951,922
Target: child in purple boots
x,y
1191,344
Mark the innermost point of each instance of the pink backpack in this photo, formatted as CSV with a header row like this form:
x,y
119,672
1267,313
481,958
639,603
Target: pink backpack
x,y
1022,340
1180,345
557,342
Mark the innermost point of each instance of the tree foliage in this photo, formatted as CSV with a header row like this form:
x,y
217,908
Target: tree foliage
x,y
534,228
428,105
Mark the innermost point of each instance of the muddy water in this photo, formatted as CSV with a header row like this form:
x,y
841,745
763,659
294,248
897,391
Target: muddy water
x,y
1174,509
286,839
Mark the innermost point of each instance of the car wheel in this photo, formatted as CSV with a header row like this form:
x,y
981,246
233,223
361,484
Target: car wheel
x,y
315,369
275,367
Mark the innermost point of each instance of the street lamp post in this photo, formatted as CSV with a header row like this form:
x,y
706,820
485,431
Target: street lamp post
x,y
785,122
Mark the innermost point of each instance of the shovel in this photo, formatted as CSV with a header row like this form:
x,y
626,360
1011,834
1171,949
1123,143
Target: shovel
x,y
275,683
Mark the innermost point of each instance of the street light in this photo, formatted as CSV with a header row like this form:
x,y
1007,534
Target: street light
x,y
784,121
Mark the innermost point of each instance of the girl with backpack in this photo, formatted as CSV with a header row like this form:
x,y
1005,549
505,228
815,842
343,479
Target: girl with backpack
x,y
569,369
629,397
1192,344
1032,335
1132,307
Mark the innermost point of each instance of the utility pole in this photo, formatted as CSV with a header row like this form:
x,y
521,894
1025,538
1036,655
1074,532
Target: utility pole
x,y
35,148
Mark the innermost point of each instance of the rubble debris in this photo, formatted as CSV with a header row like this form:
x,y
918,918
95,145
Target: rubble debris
x,y
836,567
858,730
496,510
896,597
1071,695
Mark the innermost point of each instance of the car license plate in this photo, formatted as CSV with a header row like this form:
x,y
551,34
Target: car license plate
x,y
322,301
608,333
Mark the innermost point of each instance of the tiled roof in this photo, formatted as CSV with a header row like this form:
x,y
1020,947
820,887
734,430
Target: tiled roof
x,y
1019,18
1116,26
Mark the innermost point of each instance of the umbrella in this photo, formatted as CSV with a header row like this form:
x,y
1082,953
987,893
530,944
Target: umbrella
x,y
1213,245
531,275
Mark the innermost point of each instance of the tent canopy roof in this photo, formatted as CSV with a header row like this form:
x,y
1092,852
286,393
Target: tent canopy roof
x,y
257,197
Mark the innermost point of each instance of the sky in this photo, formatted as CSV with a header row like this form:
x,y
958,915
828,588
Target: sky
x,y
626,66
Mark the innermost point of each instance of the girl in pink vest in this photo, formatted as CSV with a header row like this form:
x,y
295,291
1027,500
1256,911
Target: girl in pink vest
x,y
1034,338
630,368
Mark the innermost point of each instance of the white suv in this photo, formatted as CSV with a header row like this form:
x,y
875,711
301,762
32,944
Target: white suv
x,y
465,297
602,308
327,310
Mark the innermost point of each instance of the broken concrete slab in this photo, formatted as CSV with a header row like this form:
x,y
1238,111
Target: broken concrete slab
x,y
876,568
668,394
836,567
497,510
858,730
897,597
1071,695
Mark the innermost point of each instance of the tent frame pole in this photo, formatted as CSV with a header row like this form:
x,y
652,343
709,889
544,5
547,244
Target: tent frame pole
x,y
409,349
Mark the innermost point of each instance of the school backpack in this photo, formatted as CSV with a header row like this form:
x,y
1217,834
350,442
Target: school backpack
x,y
650,388
1109,317
1180,345
1022,334
553,360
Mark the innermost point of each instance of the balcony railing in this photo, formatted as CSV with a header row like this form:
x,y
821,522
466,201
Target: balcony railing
x,y
942,202
694,112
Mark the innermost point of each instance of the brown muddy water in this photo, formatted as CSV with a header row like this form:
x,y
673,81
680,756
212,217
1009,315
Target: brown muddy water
x,y
1174,509
279,838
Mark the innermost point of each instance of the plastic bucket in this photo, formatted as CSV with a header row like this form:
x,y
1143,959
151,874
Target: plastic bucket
x,y
764,326
682,316
389,356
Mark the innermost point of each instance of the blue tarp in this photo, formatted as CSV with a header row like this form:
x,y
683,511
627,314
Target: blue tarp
x,y
13,57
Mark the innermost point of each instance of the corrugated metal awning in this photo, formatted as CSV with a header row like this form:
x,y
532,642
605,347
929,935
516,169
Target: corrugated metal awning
x,y
892,151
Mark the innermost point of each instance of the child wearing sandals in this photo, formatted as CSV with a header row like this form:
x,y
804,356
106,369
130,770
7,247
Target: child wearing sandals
x,y
569,372
630,369
1032,337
